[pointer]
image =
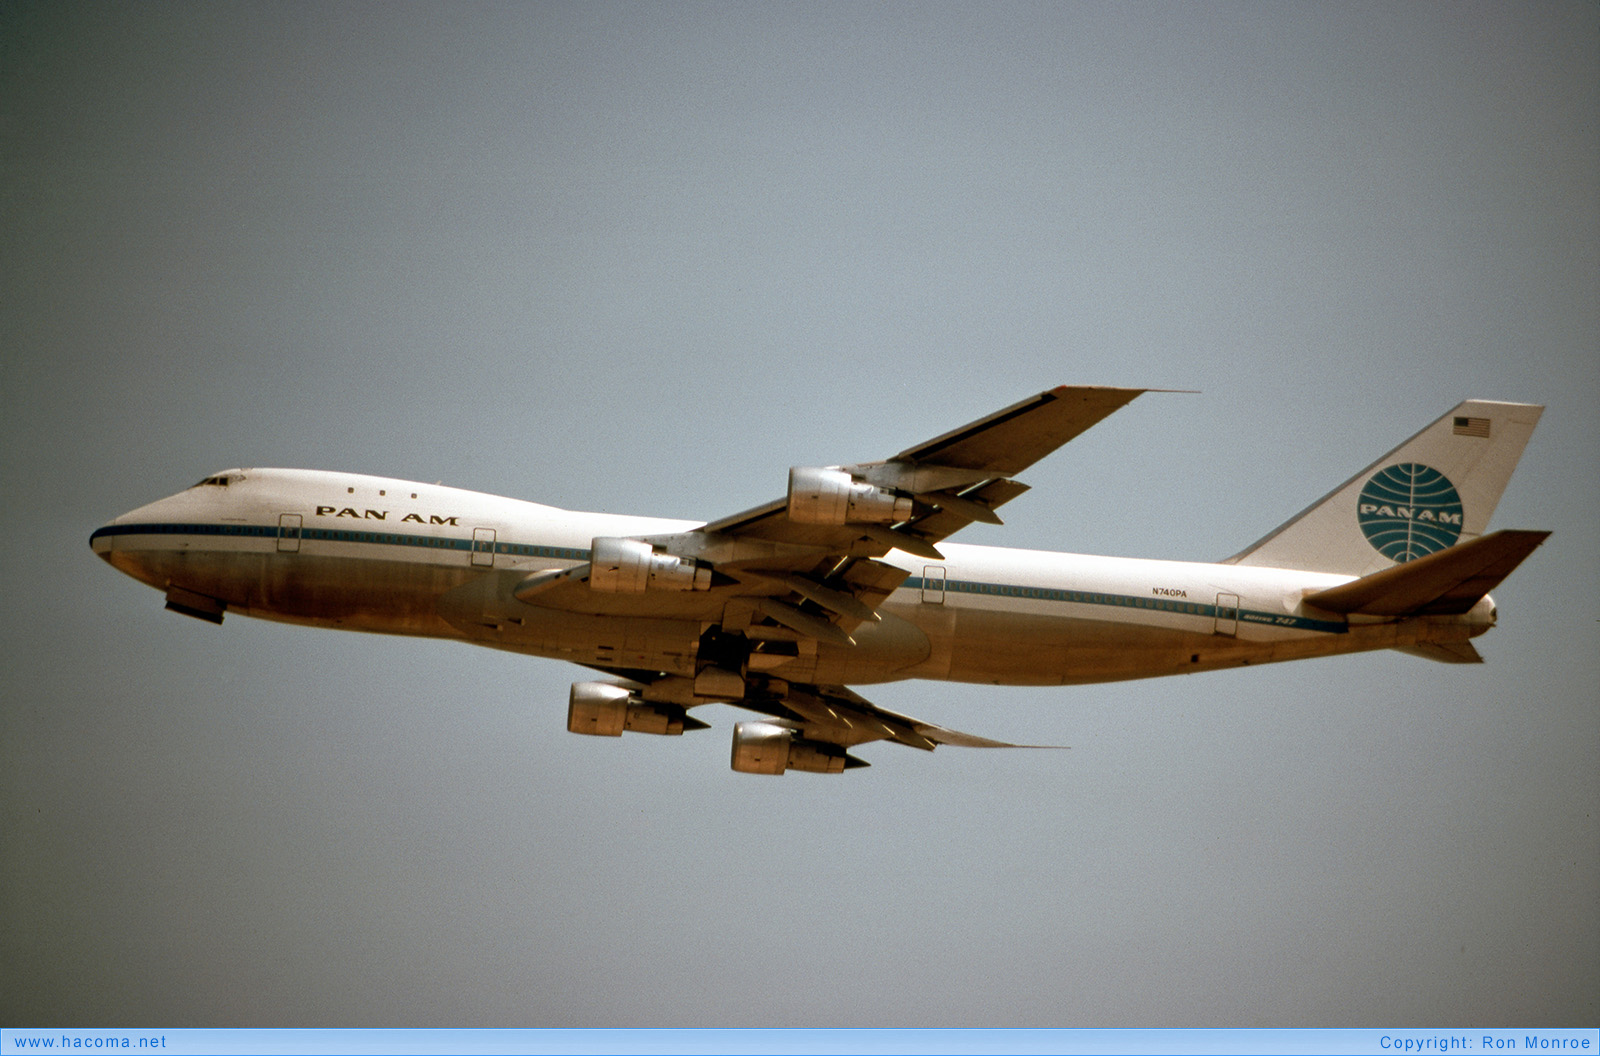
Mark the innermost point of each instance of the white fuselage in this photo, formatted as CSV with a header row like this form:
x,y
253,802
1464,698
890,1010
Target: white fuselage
x,y
395,557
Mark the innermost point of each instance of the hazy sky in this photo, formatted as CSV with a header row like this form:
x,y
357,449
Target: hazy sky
x,y
643,258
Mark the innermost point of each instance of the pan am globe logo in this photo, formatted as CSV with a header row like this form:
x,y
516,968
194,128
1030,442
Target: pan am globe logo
x,y
1409,510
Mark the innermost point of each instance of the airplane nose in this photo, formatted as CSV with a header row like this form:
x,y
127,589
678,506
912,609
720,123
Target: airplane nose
x,y
141,542
100,541
117,535
124,543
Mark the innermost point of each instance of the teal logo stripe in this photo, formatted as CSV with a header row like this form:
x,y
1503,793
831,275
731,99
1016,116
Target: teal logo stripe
x,y
1408,511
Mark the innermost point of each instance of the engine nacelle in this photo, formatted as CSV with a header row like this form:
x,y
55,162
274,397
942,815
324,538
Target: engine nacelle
x,y
631,566
767,748
605,709
832,496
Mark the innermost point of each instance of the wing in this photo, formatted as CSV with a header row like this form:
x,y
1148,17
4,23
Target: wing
x,y
803,573
809,561
813,554
953,479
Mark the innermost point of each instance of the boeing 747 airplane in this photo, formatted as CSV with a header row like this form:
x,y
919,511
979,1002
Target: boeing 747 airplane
x,y
847,579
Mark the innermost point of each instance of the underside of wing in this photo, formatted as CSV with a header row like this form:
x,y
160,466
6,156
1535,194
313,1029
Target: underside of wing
x,y
837,715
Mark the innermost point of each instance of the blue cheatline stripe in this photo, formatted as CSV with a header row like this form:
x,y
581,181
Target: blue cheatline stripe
x,y
563,553
1129,601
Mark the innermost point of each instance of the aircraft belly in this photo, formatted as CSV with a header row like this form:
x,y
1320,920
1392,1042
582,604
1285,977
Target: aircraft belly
x,y
1008,649
668,646
1033,649
484,610
1003,647
885,650
601,641
387,597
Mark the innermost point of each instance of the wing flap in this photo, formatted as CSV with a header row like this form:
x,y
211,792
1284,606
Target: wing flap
x,y
1449,582
956,511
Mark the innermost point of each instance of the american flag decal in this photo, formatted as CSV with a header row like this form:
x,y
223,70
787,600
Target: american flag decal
x,y
1471,427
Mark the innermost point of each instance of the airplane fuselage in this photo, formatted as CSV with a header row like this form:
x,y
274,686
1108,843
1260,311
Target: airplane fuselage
x,y
389,556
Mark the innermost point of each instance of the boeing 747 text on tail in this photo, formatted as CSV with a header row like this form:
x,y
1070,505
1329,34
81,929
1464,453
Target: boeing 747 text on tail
x,y
847,579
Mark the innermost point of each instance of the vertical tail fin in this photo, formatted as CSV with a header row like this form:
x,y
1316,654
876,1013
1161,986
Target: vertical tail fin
x,y
1436,489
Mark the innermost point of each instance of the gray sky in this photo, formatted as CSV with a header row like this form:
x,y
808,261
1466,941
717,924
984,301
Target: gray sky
x,y
644,258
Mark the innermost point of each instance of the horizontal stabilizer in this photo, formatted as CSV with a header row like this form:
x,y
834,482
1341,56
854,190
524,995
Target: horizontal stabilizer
x,y
1445,652
1446,583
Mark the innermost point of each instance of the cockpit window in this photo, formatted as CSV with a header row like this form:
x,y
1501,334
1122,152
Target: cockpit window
x,y
219,481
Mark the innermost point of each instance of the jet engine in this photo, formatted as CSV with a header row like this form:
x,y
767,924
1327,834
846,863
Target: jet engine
x,y
768,748
605,709
631,566
832,496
